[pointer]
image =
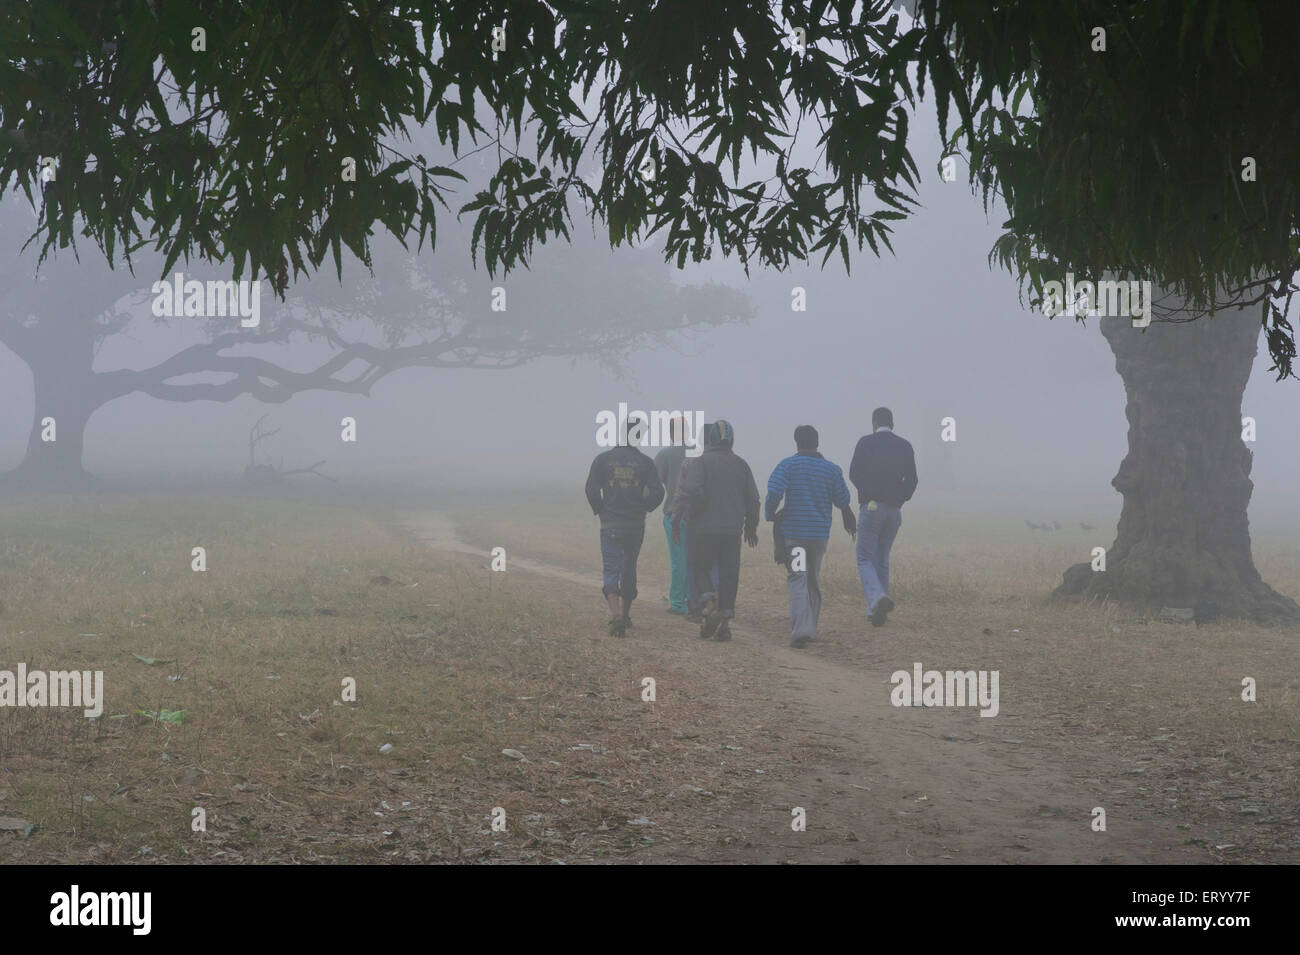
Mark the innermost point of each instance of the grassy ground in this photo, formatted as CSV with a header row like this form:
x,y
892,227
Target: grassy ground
x,y
454,663
1141,714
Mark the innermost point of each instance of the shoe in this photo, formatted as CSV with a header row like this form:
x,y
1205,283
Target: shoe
x,y
617,627
883,606
799,642
627,622
709,625
694,616
678,611
723,633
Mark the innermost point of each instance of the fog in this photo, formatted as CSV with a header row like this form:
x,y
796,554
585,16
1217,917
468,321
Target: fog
x,y
930,332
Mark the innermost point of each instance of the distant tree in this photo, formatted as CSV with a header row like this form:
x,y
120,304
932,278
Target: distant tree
x,y
414,311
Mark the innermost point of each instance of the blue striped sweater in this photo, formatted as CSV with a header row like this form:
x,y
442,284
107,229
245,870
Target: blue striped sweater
x,y
811,486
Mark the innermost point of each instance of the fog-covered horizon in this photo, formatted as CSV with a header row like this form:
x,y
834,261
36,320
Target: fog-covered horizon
x,y
931,332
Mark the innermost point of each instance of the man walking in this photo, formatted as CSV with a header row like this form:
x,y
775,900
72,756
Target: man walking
x,y
678,506
811,486
668,463
884,472
720,499
622,488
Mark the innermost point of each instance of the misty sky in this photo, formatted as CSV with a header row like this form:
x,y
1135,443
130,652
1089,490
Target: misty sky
x,y
930,332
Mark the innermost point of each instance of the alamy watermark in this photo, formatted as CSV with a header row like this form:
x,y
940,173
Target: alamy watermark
x,y
74,688
1120,298
656,429
211,299
923,687
76,907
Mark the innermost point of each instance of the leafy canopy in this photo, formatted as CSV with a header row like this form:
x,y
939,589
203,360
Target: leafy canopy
x,y
1127,160
1169,156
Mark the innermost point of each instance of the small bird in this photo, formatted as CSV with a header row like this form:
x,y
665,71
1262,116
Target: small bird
x,y
1087,527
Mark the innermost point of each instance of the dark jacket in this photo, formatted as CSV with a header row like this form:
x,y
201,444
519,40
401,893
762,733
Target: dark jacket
x,y
884,469
623,487
717,494
668,463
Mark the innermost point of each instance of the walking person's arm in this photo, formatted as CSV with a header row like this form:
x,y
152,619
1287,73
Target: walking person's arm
x,y
652,488
751,509
777,485
661,467
858,466
909,474
595,487
841,498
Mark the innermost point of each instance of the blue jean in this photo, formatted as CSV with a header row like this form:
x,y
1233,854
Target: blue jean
x,y
876,532
677,586
619,549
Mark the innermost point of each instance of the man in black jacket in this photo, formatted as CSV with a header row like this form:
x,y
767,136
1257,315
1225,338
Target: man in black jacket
x,y
719,498
623,486
884,472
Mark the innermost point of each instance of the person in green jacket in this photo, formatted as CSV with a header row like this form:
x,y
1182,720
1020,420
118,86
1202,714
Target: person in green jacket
x,y
668,462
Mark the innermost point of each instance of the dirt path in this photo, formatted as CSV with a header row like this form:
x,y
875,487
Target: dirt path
x,y
909,784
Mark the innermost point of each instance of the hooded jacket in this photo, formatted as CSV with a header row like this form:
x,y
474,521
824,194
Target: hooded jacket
x,y
717,493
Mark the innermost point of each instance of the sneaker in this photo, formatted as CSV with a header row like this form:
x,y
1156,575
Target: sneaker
x,y
694,616
709,625
617,627
799,642
677,610
723,633
627,622
883,606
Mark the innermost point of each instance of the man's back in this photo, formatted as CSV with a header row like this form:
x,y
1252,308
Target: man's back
x,y
811,486
884,469
719,492
623,486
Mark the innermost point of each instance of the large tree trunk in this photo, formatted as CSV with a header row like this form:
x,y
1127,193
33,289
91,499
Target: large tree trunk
x,y
1184,538
66,389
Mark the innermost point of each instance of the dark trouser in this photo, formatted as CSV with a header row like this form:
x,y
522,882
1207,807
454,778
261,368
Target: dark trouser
x,y
720,552
619,548
805,589
693,599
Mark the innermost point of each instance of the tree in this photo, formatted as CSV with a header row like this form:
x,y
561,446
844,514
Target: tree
x,y
411,311
1157,142
1128,157
223,127
1183,538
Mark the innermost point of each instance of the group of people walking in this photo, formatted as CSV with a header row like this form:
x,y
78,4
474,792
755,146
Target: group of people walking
x,y
711,503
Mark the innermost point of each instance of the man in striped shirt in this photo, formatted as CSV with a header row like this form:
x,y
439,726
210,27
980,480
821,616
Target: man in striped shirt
x,y
811,486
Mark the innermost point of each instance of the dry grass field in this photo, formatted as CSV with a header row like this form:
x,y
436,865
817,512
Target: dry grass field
x,y
1140,717
454,664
